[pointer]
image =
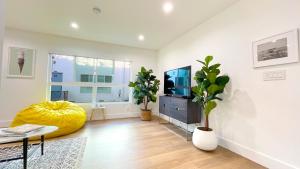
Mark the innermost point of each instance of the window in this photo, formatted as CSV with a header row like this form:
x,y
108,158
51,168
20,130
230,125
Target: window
x,y
106,90
104,78
85,80
101,78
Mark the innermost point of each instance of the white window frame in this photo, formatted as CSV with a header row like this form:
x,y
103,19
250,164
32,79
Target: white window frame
x,y
94,84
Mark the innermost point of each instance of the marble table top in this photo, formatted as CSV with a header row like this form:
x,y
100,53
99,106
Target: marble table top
x,y
43,131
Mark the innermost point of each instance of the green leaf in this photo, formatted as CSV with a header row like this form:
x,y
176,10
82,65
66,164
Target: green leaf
x,y
195,89
205,84
215,66
152,78
213,88
156,82
212,77
209,107
205,69
216,71
197,99
222,80
201,62
198,90
199,76
143,69
132,84
152,98
208,59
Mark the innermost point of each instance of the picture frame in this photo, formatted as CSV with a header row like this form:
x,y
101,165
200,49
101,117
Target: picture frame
x,y
276,50
21,62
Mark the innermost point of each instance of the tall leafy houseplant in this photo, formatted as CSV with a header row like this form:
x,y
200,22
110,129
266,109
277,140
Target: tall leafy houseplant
x,y
210,84
144,90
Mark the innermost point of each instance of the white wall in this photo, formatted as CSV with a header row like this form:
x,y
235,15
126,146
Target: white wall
x,y
258,119
2,27
16,94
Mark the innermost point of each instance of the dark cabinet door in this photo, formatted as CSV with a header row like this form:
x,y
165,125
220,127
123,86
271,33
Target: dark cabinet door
x,y
194,112
163,105
179,114
179,102
178,109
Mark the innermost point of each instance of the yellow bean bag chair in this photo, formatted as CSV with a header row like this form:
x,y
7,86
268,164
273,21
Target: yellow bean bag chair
x,y
67,116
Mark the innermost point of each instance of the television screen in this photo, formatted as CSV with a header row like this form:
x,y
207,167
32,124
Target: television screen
x,y
177,82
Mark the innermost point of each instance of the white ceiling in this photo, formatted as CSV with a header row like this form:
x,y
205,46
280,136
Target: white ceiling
x,y
120,22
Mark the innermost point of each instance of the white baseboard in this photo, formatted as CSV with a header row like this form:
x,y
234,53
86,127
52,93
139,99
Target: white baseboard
x,y
258,157
116,116
122,115
5,123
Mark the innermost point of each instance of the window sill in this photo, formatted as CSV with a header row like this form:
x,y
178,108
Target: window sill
x,y
105,103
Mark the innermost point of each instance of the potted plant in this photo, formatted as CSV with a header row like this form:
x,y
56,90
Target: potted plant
x,y
210,84
144,91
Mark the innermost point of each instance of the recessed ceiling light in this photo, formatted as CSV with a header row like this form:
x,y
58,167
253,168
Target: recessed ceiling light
x,y
141,37
74,25
168,7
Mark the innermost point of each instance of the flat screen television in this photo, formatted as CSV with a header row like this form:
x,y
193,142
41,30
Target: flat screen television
x,y
177,82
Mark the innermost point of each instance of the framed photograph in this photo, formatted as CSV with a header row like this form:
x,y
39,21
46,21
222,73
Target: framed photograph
x,y
21,62
276,50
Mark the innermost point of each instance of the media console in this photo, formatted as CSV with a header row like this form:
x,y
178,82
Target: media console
x,y
181,109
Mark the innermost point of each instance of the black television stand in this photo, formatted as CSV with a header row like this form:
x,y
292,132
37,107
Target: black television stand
x,y
181,109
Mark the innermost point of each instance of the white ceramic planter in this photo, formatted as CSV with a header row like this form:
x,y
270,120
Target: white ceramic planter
x,y
205,140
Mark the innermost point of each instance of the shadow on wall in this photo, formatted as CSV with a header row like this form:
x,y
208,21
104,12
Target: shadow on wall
x,y
234,117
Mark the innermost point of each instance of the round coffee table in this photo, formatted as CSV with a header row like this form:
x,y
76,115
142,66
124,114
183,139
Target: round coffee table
x,y
36,133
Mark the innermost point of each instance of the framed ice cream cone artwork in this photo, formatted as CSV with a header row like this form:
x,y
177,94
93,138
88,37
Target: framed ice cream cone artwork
x,y
21,62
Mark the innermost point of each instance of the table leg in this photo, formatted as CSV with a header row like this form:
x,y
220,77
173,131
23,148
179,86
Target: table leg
x,y
92,114
25,149
103,114
187,132
42,144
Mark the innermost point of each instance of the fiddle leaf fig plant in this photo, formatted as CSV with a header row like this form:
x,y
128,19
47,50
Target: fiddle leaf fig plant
x,y
210,84
145,87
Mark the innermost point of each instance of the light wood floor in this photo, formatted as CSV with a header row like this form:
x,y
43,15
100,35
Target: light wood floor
x,y
134,144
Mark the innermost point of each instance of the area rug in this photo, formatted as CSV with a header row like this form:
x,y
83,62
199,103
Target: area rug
x,y
58,154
